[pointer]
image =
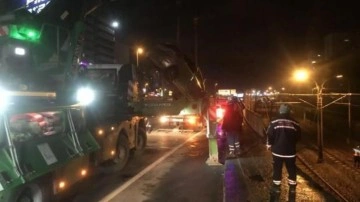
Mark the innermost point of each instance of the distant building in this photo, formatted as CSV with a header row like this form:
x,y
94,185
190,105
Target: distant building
x,y
99,41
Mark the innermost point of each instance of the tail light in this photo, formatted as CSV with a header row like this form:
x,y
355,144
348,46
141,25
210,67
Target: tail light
x,y
220,113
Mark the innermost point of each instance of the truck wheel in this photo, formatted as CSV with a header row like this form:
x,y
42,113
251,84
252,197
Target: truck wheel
x,y
33,192
141,139
121,158
122,153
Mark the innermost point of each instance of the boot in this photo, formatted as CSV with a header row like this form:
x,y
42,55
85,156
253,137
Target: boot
x,y
238,153
231,155
292,188
275,188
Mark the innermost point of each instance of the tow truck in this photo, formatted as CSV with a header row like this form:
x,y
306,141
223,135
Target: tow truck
x,y
177,99
49,140
53,136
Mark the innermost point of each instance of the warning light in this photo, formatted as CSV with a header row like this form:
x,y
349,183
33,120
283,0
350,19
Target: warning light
x,y
83,172
25,33
62,184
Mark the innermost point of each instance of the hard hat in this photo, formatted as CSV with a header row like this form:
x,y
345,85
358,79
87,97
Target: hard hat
x,y
284,109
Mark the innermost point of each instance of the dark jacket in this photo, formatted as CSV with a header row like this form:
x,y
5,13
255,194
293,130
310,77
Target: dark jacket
x,y
283,134
233,119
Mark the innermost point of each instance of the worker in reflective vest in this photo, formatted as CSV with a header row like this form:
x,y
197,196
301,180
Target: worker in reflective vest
x,y
282,135
232,126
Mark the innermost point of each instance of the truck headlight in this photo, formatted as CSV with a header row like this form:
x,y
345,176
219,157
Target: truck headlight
x,y
4,99
191,120
164,119
85,96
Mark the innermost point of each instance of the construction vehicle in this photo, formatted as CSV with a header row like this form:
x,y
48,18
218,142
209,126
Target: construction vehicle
x,y
173,89
49,142
42,56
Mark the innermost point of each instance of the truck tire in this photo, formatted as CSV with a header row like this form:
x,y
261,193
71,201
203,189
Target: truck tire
x,y
141,141
121,158
38,191
122,153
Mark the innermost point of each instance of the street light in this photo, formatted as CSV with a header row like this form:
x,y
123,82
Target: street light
x,y
115,24
303,75
138,51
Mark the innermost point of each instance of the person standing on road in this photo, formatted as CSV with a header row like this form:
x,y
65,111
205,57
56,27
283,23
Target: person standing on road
x,y
232,126
282,135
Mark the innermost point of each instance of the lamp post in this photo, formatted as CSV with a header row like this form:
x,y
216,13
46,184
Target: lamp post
x,y
349,108
302,75
138,51
320,128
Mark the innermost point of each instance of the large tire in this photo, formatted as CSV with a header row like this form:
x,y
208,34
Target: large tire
x,y
122,153
38,191
141,141
121,157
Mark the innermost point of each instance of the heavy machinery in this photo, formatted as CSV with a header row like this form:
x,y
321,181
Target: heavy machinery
x,y
173,89
49,142
41,55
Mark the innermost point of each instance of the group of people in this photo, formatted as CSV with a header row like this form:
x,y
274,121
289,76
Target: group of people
x,y
282,134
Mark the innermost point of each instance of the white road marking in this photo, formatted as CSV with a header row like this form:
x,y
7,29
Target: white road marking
x,y
146,170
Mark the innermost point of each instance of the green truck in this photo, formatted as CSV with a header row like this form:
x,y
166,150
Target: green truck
x,y
66,116
58,123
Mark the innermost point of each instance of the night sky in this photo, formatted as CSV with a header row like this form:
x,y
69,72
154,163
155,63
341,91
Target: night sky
x,y
241,43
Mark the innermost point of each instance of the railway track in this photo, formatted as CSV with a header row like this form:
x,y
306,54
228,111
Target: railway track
x,y
331,184
314,175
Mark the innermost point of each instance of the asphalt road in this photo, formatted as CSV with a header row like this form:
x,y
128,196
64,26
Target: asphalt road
x,y
172,168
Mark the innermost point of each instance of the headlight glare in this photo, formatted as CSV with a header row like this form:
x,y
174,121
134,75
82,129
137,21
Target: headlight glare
x,y
4,99
85,96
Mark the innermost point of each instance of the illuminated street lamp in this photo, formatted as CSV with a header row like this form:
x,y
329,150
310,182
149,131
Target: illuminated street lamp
x,y
138,51
303,75
115,24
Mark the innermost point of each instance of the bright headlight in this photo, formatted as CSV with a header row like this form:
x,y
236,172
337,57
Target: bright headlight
x,y
191,120
163,119
4,99
85,96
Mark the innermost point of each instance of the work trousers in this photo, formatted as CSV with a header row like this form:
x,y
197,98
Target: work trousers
x,y
290,167
233,140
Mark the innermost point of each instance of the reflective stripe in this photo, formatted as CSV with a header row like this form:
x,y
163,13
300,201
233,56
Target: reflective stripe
x,y
284,156
231,148
277,182
288,127
286,120
291,182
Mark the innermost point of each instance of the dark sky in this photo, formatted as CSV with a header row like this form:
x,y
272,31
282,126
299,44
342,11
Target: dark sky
x,y
241,44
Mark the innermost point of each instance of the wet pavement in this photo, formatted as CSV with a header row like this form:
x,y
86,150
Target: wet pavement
x,y
180,174
249,177
185,177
